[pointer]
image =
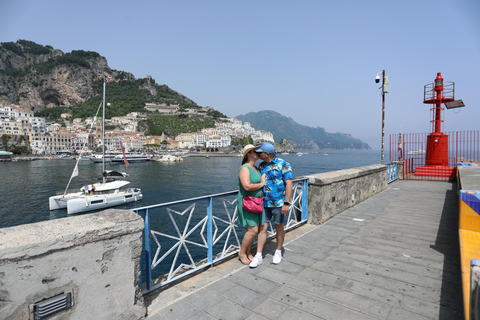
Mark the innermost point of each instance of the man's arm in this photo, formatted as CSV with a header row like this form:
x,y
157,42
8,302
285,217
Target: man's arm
x,y
288,195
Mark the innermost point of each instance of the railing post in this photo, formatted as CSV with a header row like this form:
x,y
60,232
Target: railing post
x,y
210,229
305,199
148,257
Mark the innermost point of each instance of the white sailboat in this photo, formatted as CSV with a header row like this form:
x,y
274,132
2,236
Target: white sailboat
x,y
103,194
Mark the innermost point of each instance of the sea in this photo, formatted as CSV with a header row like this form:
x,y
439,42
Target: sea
x,y
25,186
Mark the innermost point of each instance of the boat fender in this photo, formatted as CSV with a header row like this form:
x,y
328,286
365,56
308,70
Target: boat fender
x,y
105,200
86,202
135,198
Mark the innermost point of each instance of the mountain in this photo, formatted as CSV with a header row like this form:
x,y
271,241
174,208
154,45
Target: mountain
x,y
300,136
37,77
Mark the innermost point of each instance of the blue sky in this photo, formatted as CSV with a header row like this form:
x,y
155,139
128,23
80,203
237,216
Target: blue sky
x,y
313,61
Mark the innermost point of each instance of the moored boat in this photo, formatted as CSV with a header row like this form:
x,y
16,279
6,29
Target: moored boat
x,y
131,157
103,194
98,158
169,158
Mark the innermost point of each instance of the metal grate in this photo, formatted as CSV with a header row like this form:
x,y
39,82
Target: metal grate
x,y
50,306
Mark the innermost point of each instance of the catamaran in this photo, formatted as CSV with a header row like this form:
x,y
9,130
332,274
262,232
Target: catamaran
x,y
103,194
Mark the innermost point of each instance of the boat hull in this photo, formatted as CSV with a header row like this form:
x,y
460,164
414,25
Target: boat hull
x,y
95,202
99,160
60,201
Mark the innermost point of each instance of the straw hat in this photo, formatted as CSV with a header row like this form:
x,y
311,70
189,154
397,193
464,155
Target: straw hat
x,y
247,149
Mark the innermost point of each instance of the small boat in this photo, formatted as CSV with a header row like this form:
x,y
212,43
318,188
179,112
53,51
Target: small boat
x,y
105,193
82,158
131,157
98,158
169,158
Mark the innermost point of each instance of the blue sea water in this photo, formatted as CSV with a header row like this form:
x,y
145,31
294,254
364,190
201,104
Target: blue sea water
x,y
26,186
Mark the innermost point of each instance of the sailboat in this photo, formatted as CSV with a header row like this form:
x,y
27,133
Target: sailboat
x,y
104,194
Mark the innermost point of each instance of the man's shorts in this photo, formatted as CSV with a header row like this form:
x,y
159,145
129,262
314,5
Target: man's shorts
x,y
274,214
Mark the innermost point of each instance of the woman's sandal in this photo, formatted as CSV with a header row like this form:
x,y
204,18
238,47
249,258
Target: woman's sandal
x,y
250,257
243,258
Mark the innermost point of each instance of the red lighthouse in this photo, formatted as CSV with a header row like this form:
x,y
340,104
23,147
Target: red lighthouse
x,y
436,160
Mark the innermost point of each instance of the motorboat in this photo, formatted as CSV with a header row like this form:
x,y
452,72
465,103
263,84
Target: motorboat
x,y
131,157
98,158
105,193
169,158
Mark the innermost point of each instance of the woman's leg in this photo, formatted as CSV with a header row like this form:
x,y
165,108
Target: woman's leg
x,y
248,240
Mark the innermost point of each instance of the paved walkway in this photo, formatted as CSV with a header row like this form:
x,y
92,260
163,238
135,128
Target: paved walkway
x,y
394,256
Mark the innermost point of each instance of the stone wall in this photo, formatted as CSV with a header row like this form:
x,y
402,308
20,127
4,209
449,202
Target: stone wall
x,y
331,193
95,257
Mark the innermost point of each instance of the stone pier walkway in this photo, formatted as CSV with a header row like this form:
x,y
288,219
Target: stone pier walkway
x,y
394,256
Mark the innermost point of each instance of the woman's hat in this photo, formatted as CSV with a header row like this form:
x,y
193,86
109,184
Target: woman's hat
x,y
247,149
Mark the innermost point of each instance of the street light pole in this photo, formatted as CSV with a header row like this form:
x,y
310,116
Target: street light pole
x,y
383,115
385,89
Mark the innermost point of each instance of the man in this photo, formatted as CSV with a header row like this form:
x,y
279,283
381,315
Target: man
x,y
277,191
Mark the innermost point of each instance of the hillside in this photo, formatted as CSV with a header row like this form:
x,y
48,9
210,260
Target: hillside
x,y
37,77
300,136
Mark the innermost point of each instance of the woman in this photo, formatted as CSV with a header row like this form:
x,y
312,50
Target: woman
x,y
250,183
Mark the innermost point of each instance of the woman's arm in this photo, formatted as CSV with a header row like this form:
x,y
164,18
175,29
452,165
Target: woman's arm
x,y
245,180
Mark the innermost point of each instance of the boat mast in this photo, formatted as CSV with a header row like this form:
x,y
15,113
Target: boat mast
x,y
103,135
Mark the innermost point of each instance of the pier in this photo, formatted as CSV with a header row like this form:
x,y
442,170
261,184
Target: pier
x,y
370,250
393,256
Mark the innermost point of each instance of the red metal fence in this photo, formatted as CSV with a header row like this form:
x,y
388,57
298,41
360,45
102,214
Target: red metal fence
x,y
463,146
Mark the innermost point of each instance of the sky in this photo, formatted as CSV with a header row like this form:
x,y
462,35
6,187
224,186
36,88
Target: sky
x,y
314,61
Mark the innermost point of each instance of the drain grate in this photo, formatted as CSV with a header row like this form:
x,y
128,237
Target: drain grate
x,y
50,306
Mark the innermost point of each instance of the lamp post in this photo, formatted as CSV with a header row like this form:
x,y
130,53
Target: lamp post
x,y
385,89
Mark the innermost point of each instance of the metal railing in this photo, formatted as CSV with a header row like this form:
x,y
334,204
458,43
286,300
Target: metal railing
x,y
392,172
192,234
463,146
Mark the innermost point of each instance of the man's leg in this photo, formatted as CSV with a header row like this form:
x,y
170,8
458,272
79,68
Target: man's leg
x,y
280,235
279,227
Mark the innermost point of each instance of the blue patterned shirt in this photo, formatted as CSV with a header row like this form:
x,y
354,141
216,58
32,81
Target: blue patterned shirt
x,y
277,172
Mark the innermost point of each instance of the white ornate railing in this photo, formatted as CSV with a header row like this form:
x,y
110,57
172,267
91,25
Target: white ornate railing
x,y
190,235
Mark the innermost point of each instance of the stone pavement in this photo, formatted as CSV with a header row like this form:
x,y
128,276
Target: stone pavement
x,y
394,256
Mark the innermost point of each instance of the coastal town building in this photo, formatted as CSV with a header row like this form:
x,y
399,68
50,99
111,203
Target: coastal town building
x,y
18,127
74,134
162,108
52,143
218,141
15,112
38,126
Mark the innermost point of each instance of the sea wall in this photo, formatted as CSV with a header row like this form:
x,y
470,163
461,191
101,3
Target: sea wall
x,y
331,193
93,258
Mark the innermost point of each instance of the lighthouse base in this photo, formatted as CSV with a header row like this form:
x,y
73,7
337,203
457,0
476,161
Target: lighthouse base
x,y
435,171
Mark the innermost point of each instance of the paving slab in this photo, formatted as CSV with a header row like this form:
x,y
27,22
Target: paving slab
x,y
393,256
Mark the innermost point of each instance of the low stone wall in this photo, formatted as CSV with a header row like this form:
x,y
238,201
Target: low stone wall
x,y
331,193
95,257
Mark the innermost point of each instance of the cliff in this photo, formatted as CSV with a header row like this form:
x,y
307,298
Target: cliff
x,y
38,77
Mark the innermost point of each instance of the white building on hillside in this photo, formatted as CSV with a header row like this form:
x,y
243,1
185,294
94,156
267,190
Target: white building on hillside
x,y
218,141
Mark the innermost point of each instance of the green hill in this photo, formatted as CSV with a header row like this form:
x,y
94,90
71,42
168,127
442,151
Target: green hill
x,y
300,136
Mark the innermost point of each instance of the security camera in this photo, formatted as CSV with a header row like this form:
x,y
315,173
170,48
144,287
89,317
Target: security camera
x,y
377,79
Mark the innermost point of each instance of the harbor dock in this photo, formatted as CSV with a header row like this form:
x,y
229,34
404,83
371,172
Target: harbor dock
x,y
393,256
